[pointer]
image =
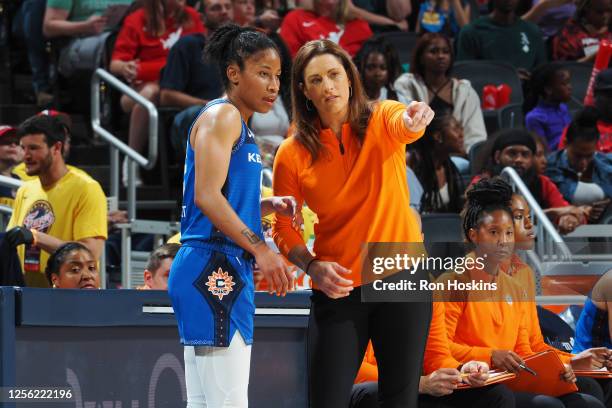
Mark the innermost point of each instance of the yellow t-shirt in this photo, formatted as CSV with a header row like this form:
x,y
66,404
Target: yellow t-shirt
x,y
19,171
71,210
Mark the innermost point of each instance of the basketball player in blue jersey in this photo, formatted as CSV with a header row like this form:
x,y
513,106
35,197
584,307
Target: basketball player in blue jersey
x,y
211,280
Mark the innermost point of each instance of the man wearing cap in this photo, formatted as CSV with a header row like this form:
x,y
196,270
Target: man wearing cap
x,y
58,206
516,148
10,155
602,91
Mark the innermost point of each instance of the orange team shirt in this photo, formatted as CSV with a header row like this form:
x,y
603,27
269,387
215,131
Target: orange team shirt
x,y
360,196
524,275
477,327
437,351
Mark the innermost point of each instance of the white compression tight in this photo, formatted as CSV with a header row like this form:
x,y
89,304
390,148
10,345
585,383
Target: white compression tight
x,y
218,377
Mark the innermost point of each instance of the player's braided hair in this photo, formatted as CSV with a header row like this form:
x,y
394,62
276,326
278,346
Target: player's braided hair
x,y
485,196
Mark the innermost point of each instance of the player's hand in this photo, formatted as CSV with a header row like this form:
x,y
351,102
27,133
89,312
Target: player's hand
x,y
328,277
568,375
275,271
591,359
439,383
506,360
478,373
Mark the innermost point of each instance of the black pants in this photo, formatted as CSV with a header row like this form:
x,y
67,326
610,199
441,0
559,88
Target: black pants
x,y
573,400
338,333
365,395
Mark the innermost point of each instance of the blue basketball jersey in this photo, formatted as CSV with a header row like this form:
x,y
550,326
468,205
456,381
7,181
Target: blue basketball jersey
x,y
241,189
211,280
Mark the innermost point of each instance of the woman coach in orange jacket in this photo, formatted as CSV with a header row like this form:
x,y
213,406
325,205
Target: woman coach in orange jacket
x,y
346,160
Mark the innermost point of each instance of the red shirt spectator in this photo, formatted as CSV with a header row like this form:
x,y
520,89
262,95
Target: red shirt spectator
x,y
575,43
151,51
605,137
551,196
300,26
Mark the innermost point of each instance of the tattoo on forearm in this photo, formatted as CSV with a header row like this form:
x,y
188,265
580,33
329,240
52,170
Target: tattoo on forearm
x,y
251,236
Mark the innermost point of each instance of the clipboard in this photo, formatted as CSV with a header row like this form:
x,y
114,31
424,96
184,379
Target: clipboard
x,y
602,373
495,376
549,381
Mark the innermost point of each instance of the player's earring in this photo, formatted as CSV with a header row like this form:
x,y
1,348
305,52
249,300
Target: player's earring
x,y
309,107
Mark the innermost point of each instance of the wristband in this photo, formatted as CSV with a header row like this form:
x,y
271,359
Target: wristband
x,y
308,265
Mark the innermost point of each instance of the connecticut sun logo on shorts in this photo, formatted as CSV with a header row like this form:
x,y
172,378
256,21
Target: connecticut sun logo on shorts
x,y
220,283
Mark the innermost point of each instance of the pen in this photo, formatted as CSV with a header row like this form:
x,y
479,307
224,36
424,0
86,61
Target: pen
x,y
529,370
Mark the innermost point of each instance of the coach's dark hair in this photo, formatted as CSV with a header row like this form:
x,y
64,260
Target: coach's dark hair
x,y
55,261
584,126
159,254
50,126
232,44
485,196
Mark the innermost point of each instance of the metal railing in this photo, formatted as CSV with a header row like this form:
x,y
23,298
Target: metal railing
x,y
117,145
549,245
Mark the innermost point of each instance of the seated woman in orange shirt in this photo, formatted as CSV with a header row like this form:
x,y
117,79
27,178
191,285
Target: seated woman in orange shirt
x,y
346,161
496,331
590,359
441,376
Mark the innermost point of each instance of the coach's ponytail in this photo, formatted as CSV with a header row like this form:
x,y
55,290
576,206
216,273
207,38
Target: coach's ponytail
x,y
232,44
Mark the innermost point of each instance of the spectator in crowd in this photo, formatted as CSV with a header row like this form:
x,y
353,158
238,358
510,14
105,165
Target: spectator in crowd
x,y
28,24
188,81
441,375
550,15
579,39
516,148
60,205
328,19
84,22
215,13
503,36
379,66
550,90
540,155
602,90
141,50
382,15
475,329
158,267
443,16
244,12
430,81
582,174
73,266
10,155
430,159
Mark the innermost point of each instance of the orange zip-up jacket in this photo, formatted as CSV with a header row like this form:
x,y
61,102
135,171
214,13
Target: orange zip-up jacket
x,y
359,193
525,277
437,352
477,327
